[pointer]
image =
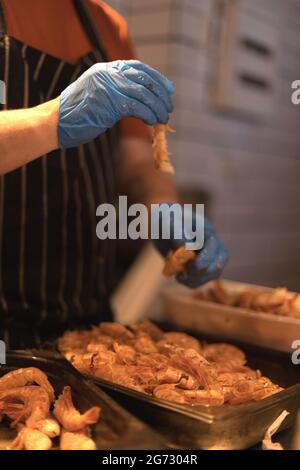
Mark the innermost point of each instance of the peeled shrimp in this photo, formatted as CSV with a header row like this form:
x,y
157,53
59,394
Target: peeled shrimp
x,y
160,148
48,426
76,441
31,439
22,377
70,418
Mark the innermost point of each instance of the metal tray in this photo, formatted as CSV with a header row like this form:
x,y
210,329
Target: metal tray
x,y
117,429
234,323
226,427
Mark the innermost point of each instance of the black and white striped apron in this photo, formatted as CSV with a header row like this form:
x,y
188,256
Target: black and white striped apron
x,y
54,272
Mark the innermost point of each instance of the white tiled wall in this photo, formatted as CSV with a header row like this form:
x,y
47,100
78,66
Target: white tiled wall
x,y
250,167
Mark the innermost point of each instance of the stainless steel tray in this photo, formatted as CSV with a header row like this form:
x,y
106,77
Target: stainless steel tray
x,y
226,427
117,429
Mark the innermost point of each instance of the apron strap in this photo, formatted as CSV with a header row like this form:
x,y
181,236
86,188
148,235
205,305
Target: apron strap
x,y
89,26
3,29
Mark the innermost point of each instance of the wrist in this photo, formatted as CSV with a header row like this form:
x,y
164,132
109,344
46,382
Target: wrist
x,y
47,116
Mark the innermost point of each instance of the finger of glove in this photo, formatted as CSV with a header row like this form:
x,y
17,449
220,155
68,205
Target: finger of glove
x,y
142,78
148,99
139,110
160,78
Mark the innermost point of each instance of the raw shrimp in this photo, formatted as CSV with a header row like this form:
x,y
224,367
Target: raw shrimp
x,y
76,441
22,377
31,439
160,148
70,418
35,399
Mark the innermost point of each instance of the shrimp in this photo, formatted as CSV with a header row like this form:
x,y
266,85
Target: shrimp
x,y
22,377
176,261
48,426
76,441
30,439
169,392
224,353
115,330
35,399
160,148
70,418
204,397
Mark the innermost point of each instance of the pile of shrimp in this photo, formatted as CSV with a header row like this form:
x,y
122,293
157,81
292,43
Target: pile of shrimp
x,y
277,302
170,366
160,148
26,401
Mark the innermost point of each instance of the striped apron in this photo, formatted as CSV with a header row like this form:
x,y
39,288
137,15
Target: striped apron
x,y
54,272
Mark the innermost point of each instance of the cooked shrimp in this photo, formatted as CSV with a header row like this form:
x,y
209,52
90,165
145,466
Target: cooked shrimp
x,y
22,377
224,353
35,399
177,260
48,426
76,441
115,330
31,439
160,148
181,340
70,418
204,397
169,392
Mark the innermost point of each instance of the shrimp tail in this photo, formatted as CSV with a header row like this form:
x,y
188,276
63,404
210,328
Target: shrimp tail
x,y
91,416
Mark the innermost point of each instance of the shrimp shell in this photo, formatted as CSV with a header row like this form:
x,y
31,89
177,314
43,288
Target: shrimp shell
x,y
22,377
35,399
160,148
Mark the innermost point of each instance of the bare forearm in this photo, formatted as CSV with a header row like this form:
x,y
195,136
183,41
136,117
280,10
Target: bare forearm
x,y
27,134
138,176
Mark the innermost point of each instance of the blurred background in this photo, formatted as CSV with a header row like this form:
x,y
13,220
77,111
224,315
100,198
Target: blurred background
x,y
237,141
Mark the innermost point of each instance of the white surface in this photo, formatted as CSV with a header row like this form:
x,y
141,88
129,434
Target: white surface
x,y
231,323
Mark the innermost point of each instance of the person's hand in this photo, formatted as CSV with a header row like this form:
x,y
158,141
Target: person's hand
x,y
107,92
210,259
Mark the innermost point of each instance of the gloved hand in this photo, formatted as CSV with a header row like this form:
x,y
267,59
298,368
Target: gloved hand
x,y
211,258
107,92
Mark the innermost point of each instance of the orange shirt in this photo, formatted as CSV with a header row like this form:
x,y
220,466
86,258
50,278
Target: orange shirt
x,y
53,27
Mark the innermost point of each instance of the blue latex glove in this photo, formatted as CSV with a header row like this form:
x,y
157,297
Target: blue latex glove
x,y
107,92
210,260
